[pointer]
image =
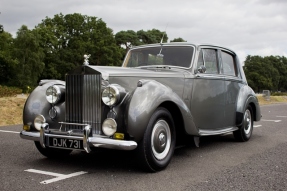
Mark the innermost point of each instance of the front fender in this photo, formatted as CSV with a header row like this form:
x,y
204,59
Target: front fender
x,y
36,104
145,100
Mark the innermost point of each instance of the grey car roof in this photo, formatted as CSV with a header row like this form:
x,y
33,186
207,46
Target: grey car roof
x,y
184,43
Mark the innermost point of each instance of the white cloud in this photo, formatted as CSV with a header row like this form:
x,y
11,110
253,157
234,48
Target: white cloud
x,y
246,26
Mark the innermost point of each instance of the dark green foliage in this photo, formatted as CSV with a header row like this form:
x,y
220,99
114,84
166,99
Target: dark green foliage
x,y
131,38
9,91
66,38
151,36
178,40
8,63
268,73
127,39
30,56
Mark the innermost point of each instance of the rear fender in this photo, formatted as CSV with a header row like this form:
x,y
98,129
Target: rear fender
x,y
247,97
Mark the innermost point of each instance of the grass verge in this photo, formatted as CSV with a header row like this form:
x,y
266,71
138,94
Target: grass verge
x,y
11,110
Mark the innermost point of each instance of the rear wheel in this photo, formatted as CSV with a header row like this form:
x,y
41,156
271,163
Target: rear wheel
x,y
156,149
52,152
245,130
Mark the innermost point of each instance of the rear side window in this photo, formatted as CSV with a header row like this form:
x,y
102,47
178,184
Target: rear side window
x,y
210,61
228,64
208,58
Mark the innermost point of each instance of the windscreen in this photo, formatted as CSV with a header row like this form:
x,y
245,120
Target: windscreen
x,y
180,56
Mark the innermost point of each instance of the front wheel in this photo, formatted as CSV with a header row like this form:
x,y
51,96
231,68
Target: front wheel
x,y
156,149
52,152
245,130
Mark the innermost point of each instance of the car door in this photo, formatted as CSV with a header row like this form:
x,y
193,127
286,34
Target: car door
x,y
208,93
233,82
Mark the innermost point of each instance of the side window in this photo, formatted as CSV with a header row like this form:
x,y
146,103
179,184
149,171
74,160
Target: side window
x,y
208,58
210,61
228,64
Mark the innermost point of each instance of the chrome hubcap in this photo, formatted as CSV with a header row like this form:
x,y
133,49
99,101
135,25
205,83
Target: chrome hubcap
x,y
160,139
247,122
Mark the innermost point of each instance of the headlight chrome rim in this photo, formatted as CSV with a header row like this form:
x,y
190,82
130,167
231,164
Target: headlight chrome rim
x,y
109,127
111,95
39,121
53,94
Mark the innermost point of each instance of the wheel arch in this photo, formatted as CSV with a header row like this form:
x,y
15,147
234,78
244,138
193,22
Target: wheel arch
x,y
245,98
177,119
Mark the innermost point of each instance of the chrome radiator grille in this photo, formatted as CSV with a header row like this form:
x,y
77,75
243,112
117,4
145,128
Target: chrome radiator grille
x,y
83,101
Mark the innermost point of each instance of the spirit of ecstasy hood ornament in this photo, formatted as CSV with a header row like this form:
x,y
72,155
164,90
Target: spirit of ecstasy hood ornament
x,y
86,59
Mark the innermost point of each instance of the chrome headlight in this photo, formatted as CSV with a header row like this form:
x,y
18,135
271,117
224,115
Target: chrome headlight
x,y
109,126
111,95
39,121
53,94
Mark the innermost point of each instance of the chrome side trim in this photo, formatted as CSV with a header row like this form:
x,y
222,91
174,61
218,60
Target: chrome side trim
x,y
217,132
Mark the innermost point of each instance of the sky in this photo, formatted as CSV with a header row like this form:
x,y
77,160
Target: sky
x,y
249,27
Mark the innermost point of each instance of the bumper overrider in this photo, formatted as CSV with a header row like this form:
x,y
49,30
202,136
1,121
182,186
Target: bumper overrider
x,y
88,141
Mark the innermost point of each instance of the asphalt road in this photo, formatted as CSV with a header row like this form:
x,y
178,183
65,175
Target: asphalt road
x,y
219,163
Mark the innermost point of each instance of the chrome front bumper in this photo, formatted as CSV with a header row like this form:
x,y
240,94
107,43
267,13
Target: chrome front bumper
x,y
95,141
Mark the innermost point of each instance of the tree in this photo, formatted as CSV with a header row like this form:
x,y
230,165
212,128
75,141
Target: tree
x,y
266,72
179,39
130,38
66,38
7,61
280,81
30,58
151,36
127,39
1,28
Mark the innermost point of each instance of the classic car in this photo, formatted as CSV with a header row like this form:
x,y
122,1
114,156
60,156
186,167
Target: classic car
x,y
163,94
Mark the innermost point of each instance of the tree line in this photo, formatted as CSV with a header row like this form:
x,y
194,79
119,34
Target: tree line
x,y
57,45
266,73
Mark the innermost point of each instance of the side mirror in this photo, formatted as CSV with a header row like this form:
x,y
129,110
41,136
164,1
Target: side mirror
x,y
201,69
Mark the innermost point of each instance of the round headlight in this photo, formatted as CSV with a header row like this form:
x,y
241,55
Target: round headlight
x,y
110,95
38,121
53,94
109,126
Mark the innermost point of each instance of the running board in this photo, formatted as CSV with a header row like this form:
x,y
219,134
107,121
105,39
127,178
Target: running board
x,y
217,132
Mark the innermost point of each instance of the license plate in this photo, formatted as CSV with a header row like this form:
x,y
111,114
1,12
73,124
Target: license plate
x,y
65,143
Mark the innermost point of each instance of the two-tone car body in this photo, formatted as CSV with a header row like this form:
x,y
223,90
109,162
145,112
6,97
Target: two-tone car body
x,y
162,94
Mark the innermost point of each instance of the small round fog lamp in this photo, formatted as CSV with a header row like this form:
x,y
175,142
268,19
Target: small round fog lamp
x,y
38,121
109,126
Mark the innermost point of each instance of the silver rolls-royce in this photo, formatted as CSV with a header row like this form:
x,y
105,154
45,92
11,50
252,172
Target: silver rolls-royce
x,y
163,94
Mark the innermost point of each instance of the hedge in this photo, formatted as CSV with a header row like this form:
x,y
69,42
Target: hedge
x,y
6,91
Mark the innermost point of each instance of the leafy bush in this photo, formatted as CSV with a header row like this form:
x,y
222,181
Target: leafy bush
x,y
6,91
279,94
